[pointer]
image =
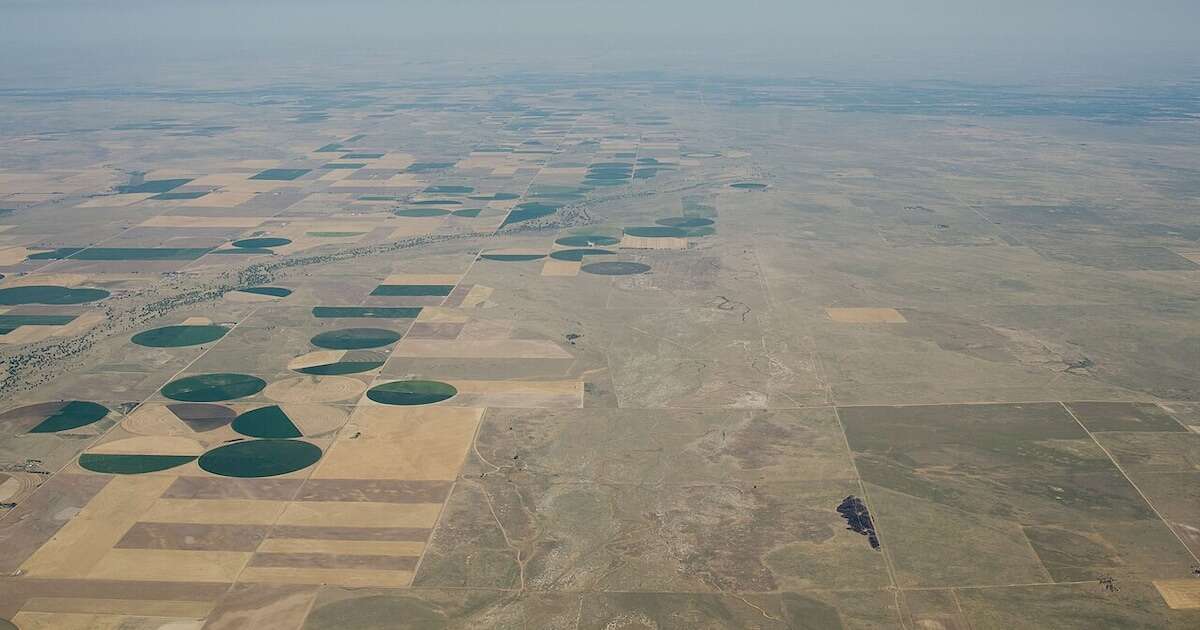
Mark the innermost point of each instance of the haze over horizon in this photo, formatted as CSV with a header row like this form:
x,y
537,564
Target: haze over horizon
x,y
90,42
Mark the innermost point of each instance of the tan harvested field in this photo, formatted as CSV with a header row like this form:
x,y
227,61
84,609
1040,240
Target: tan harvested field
x,y
399,364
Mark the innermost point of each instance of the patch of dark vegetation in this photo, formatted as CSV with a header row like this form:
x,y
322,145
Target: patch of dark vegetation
x,y
266,422
278,292
12,322
656,231
282,174
858,519
122,253
213,387
72,415
49,294
426,167
412,290
587,240
262,242
529,211
260,458
113,464
576,255
179,336
156,186
355,338
411,392
175,196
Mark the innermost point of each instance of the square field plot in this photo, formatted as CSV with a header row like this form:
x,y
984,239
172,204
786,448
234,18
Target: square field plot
x,y
282,174
1001,494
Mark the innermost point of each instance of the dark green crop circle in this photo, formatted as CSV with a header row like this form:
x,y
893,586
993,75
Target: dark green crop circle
x,y
49,294
262,242
260,458
179,336
355,338
411,392
213,387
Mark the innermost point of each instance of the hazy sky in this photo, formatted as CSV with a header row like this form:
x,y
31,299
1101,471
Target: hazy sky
x,y
63,41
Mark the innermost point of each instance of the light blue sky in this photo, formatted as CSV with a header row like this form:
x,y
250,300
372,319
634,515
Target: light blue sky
x,y
1002,40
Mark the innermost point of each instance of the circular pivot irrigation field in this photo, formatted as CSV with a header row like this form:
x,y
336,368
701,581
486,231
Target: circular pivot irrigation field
x,y
179,336
54,417
262,242
411,392
49,294
213,387
260,458
355,338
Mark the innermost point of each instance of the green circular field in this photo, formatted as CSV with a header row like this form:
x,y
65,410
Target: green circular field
x,y
615,268
656,231
685,222
607,175
262,242
587,240
49,294
355,338
59,416
576,255
266,422
260,458
213,387
748,186
411,392
421,212
131,464
179,336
